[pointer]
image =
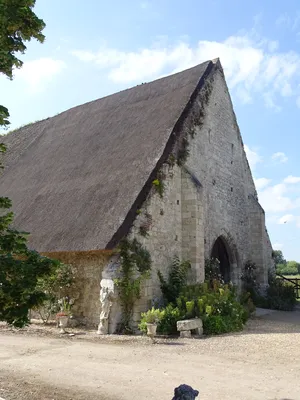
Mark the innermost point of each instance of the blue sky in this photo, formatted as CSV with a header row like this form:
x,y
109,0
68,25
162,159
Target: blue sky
x,y
96,48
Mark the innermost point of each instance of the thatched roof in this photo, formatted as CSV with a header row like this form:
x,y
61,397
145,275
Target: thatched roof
x,y
75,177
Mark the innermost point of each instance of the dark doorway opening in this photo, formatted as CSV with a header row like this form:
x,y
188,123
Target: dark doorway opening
x,y
220,252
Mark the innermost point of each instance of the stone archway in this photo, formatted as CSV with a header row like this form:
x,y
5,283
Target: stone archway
x,y
226,254
219,251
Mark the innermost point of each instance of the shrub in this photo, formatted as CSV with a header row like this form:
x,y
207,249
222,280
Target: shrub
x,y
249,278
290,268
218,306
166,319
212,270
218,324
247,302
176,281
280,296
55,286
168,323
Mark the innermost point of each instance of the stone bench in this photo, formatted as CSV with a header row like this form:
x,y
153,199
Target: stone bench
x,y
186,327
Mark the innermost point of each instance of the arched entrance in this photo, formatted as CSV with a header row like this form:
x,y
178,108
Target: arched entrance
x,y
221,251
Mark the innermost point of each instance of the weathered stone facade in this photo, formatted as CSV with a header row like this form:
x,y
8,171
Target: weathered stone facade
x,y
212,196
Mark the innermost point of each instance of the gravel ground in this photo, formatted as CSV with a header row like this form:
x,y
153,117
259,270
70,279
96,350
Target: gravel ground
x,y
261,363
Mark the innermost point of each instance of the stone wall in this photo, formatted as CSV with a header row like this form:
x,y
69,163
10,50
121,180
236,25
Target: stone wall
x,y
161,217
88,268
212,196
218,160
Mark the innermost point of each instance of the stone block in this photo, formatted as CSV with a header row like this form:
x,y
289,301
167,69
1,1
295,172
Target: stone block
x,y
185,334
189,324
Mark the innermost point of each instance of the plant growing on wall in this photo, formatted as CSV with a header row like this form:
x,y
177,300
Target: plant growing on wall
x,y
159,186
145,225
183,151
135,265
177,279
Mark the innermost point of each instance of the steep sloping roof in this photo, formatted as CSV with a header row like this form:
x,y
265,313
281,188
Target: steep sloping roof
x,y
73,178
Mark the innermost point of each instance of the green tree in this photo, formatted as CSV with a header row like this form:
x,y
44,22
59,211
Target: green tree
x,y
20,268
290,268
295,265
18,24
278,257
20,271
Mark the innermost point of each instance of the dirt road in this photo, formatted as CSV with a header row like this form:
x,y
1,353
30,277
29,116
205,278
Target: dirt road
x,y
262,363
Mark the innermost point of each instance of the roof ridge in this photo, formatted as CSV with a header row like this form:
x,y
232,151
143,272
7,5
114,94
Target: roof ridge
x,y
108,96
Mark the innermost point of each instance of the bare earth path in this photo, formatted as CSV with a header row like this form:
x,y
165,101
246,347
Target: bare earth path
x,y
262,363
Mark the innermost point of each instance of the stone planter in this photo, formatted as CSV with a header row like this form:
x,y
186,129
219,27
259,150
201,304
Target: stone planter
x,y
63,322
151,330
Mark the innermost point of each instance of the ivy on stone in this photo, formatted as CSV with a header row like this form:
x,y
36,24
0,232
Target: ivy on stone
x,y
135,266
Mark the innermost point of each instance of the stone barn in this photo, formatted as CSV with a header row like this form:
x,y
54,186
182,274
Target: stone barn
x,y
165,157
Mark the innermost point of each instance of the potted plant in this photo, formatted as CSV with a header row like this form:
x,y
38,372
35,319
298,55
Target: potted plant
x,y
64,314
151,318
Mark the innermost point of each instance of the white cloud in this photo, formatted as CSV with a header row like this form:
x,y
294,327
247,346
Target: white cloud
x,y
38,73
84,55
278,246
276,198
243,95
286,218
252,65
279,200
253,157
289,218
280,157
269,102
261,183
292,179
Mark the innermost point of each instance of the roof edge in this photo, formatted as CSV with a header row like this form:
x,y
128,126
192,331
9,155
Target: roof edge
x,y
124,228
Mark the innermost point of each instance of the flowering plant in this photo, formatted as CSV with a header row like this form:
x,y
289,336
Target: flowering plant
x,y
65,305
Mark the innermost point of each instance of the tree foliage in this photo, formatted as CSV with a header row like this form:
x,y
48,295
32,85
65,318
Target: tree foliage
x,y
278,257
20,267
18,24
20,270
290,268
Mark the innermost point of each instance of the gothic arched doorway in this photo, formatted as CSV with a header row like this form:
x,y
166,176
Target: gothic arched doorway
x,y
221,251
